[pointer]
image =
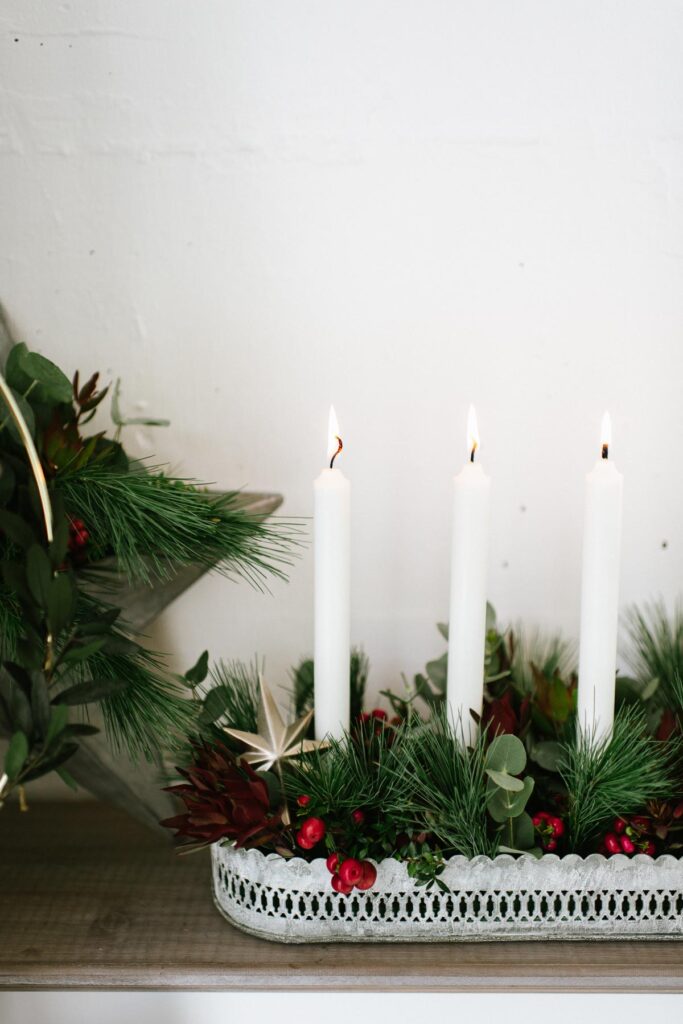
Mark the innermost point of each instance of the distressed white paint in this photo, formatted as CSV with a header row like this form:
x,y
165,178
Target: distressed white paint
x,y
249,210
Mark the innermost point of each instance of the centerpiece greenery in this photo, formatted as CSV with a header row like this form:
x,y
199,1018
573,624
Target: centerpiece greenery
x,y
403,785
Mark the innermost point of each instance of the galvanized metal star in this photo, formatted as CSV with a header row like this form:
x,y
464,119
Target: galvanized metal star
x,y
275,741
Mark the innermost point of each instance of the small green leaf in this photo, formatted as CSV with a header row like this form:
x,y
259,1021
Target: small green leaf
x,y
58,723
523,832
505,781
51,764
61,602
199,671
443,629
214,705
16,755
548,754
437,671
16,529
26,412
40,702
76,655
91,691
66,777
39,574
54,386
60,542
506,753
20,709
503,804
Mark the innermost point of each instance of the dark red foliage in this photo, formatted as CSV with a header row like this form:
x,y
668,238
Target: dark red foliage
x,y
501,717
224,800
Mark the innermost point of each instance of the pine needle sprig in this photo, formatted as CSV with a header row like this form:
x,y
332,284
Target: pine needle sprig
x,y
444,786
355,771
656,647
157,523
615,777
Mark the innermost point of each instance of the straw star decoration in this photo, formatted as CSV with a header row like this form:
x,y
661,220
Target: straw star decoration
x,y
275,741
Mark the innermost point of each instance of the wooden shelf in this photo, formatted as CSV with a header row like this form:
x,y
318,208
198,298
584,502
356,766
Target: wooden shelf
x,y
93,900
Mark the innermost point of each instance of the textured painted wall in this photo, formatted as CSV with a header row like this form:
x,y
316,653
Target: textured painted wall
x,y
249,209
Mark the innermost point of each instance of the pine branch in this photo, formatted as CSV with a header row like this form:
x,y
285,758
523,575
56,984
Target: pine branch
x,y
615,777
656,647
445,786
154,524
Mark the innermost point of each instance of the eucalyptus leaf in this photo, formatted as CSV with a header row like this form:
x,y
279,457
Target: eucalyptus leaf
x,y
503,804
54,387
505,781
199,671
437,671
506,753
548,754
20,710
76,655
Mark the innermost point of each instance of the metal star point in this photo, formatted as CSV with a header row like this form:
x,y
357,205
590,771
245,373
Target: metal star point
x,y
275,742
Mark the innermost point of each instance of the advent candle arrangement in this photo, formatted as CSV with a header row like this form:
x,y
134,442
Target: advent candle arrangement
x,y
600,594
332,549
468,593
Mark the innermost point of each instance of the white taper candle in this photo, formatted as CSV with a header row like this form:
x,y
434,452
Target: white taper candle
x,y
600,594
469,566
332,645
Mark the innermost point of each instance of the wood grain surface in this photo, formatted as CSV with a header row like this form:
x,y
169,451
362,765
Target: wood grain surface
x,y
90,899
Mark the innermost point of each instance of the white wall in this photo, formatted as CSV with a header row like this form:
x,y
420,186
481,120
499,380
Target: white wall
x,y
249,209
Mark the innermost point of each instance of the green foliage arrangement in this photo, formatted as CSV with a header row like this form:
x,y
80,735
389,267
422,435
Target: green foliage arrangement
x,y
409,788
64,646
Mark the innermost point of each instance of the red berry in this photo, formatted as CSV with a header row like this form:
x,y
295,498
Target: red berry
x,y
332,863
626,844
313,830
339,886
537,820
649,848
640,822
369,876
351,871
303,800
303,842
358,817
618,825
557,825
380,714
551,845
364,717
612,844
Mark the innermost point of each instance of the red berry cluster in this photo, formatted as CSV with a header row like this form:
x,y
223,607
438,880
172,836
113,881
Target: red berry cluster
x,y
78,536
548,829
311,832
349,873
629,836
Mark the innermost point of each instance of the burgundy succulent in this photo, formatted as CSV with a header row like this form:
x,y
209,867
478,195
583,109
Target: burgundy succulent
x,y
224,800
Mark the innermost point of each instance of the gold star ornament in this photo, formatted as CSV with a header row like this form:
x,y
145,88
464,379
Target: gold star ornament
x,y
275,741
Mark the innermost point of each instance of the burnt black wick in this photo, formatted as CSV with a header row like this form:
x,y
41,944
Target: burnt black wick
x,y
340,445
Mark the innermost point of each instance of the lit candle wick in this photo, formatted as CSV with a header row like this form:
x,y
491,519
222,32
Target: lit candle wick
x,y
605,450
340,445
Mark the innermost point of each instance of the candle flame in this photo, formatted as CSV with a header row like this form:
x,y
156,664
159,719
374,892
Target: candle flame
x,y
334,441
472,433
606,434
